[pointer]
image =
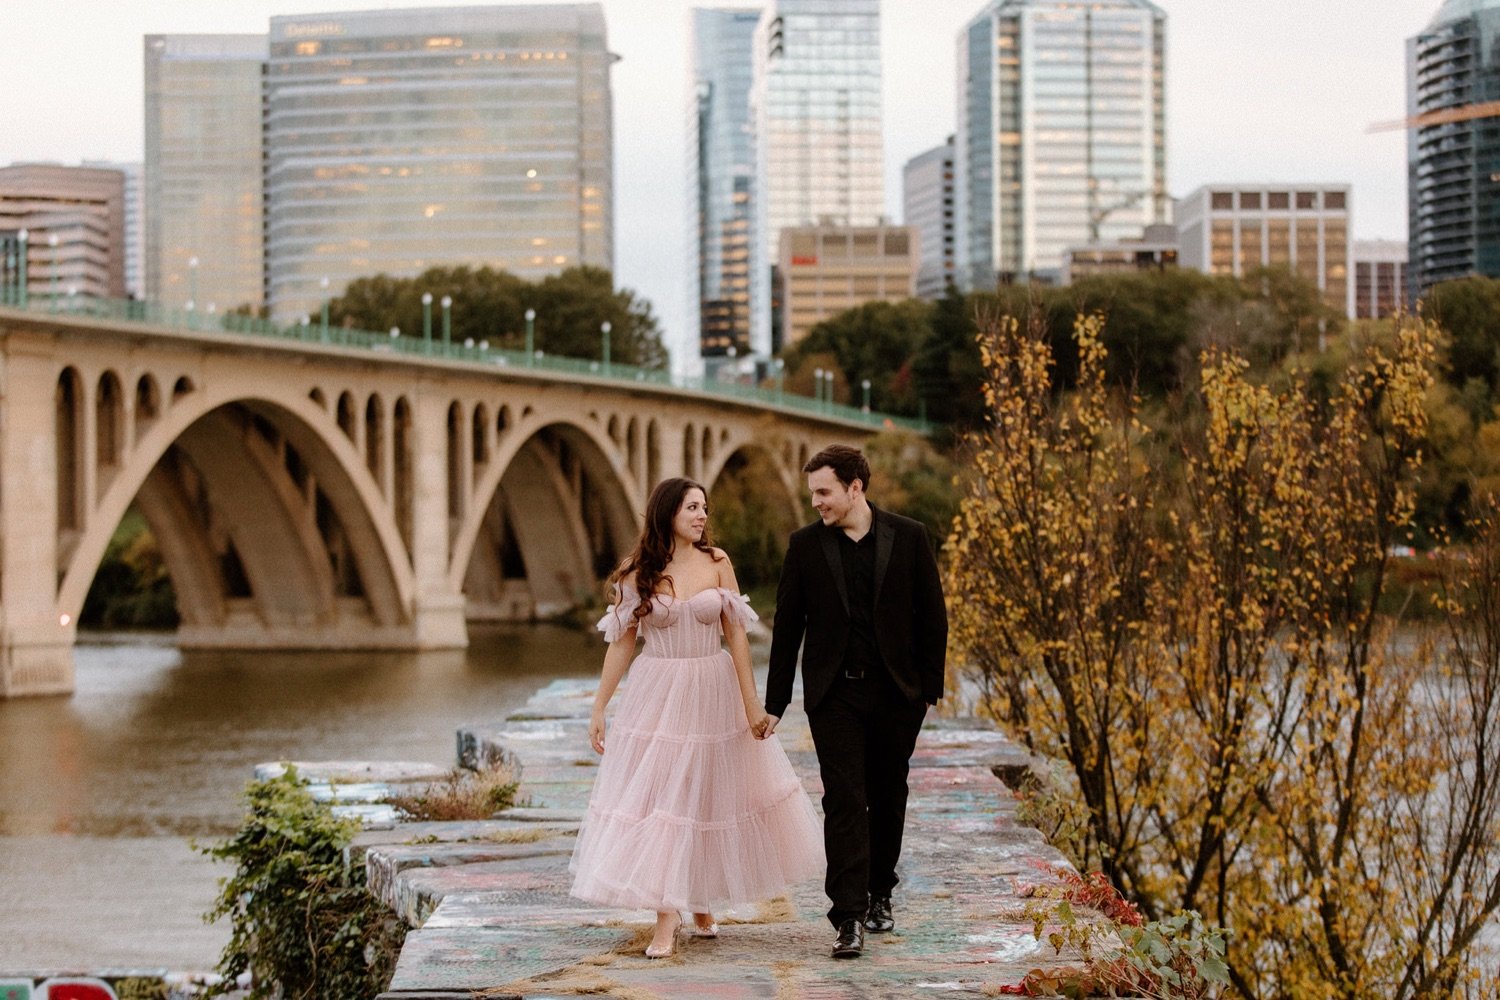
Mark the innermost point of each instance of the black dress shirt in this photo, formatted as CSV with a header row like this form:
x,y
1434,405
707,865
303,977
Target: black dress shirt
x,y
862,655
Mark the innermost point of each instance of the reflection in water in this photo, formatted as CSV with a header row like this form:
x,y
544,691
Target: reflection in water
x,y
157,744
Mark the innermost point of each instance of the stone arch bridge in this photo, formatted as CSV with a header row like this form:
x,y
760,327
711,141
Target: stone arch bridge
x,y
313,489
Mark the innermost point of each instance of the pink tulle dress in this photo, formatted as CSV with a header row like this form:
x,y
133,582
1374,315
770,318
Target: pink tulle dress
x,y
689,811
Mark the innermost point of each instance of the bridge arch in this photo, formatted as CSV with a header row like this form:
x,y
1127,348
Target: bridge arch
x,y
147,406
736,450
689,452
554,498
188,444
369,463
68,429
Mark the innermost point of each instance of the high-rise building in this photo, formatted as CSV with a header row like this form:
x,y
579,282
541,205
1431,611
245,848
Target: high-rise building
x,y
399,140
203,206
1061,135
74,219
1453,200
817,119
825,270
135,239
1380,278
721,176
927,207
1233,229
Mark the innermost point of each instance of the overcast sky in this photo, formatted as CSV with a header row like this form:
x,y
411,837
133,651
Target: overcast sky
x,y
1274,90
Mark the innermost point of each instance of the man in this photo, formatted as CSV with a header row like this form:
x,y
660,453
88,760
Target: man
x,y
862,588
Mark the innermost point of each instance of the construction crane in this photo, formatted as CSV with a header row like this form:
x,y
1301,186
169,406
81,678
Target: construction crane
x,y
1443,116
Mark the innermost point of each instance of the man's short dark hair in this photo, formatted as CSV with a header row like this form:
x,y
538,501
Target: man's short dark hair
x,y
847,463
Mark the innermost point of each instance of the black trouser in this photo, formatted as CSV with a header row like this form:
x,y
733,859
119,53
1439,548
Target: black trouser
x,y
864,731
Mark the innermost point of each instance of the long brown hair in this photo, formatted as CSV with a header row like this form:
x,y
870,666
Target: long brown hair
x,y
654,550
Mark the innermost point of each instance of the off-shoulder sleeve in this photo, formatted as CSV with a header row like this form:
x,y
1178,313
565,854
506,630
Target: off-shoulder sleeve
x,y
737,607
620,618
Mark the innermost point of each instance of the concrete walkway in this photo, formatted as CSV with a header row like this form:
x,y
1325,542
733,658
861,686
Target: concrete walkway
x,y
492,916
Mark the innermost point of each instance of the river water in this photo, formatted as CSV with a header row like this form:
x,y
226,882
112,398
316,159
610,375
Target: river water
x,y
100,793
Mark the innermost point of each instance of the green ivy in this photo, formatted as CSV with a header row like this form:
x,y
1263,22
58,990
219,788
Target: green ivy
x,y
303,923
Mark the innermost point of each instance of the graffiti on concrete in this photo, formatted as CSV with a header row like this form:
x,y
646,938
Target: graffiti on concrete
x,y
123,987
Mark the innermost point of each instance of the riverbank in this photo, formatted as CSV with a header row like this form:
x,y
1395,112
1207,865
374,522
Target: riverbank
x,y
490,913
101,792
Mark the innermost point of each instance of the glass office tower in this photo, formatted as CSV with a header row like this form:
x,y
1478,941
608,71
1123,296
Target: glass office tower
x,y
818,144
927,205
1061,133
202,195
400,140
1452,166
721,175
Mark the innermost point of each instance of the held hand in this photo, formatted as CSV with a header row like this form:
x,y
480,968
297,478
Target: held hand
x,y
756,716
596,731
769,728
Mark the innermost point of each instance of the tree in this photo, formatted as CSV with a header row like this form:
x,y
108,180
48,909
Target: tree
x,y
1205,650
909,476
490,305
874,341
751,518
1467,310
946,372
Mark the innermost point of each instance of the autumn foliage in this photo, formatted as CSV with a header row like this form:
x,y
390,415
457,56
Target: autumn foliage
x,y
1186,609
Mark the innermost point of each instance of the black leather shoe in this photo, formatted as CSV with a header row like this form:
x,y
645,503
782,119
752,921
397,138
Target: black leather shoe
x,y
879,919
851,940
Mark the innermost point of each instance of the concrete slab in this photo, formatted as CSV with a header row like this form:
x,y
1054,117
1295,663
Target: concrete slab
x,y
497,917
354,771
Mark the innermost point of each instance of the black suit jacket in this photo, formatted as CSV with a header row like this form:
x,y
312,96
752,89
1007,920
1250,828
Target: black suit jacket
x,y
812,603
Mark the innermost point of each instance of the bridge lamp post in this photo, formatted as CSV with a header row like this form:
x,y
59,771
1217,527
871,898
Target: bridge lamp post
x,y
52,268
828,391
780,379
12,265
6,292
604,329
447,304
865,406
818,387
530,337
323,325
23,238
192,282
72,297
427,322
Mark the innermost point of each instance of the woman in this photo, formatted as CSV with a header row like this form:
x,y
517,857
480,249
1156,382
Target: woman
x,y
690,809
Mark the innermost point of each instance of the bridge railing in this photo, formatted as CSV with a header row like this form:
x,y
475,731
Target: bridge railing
x,y
156,314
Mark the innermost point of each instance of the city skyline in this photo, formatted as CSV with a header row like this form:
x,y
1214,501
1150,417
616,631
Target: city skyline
x,y
1061,136
1237,108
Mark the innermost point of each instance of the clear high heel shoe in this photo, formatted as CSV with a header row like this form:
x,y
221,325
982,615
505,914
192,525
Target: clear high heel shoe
x,y
652,951
711,931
